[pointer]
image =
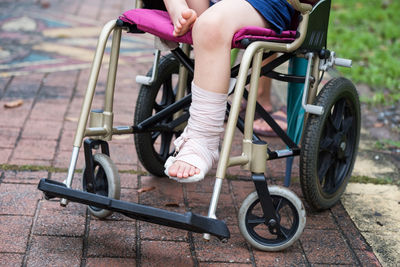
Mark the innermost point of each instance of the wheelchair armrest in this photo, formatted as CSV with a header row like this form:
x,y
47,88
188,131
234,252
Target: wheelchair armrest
x,y
301,7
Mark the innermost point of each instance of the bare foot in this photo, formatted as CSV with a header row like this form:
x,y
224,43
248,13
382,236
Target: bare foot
x,y
184,22
182,170
280,117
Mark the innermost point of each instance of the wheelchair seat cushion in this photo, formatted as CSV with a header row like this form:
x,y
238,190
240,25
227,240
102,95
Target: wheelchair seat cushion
x,y
158,23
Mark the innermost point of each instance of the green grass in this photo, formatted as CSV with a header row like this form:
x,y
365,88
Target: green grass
x,y
385,144
9,167
368,32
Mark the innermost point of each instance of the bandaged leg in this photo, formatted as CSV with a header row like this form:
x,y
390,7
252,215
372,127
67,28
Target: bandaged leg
x,y
198,144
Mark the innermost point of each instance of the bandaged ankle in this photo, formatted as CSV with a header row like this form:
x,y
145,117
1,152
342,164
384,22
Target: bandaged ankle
x,y
198,144
207,113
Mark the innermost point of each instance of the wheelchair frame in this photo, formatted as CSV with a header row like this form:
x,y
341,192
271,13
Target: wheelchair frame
x,y
255,152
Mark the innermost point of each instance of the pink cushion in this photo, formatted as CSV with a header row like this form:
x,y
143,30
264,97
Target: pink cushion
x,y
158,23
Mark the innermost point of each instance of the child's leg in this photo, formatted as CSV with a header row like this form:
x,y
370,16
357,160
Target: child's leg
x,y
212,36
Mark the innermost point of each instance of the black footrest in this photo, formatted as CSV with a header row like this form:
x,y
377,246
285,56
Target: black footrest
x,y
188,221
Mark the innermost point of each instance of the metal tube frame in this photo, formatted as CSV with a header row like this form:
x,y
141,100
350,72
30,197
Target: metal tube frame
x,y
253,53
107,129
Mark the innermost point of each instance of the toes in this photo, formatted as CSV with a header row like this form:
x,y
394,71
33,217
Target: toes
x,y
182,170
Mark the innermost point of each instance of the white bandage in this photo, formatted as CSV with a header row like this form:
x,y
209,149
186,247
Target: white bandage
x,y
198,144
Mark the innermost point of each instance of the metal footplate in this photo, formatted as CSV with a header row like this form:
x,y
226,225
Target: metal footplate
x,y
188,221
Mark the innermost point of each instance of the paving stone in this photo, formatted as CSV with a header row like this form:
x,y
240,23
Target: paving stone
x,y
111,239
42,129
320,220
5,155
14,234
241,189
292,256
217,264
123,153
19,199
25,87
233,251
164,193
166,253
24,177
49,109
207,185
8,136
11,259
31,149
326,247
14,117
63,158
367,257
55,87
149,231
350,231
55,251
67,139
106,262
29,162
128,180
59,221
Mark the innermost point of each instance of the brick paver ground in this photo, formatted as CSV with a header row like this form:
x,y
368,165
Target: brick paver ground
x,y
36,141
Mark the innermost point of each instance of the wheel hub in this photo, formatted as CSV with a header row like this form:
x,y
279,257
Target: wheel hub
x,y
339,145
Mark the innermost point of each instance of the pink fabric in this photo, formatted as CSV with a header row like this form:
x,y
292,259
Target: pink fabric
x,y
158,23
262,34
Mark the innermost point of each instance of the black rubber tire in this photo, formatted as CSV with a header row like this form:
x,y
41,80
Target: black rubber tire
x,y
108,182
154,148
291,215
330,144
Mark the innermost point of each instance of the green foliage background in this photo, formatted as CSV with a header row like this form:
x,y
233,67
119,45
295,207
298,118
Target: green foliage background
x,y
368,32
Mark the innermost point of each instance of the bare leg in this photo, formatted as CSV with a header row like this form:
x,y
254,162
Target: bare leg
x,y
212,36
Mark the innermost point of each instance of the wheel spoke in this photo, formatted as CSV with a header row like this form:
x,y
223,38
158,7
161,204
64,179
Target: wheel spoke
x,y
326,163
254,220
325,144
284,232
346,124
330,179
338,113
167,92
157,107
154,136
165,145
279,205
100,182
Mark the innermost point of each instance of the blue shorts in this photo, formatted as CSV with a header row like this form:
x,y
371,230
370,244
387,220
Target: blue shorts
x,y
278,13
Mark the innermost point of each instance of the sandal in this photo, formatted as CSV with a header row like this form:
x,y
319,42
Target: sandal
x,y
280,119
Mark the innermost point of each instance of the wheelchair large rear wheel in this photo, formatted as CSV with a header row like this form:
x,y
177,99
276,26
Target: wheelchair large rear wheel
x,y
153,148
330,144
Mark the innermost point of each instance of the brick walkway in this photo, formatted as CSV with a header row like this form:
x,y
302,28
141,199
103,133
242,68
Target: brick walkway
x,y
36,142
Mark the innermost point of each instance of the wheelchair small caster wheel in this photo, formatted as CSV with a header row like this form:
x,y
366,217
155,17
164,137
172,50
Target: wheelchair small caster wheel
x,y
272,235
107,182
329,145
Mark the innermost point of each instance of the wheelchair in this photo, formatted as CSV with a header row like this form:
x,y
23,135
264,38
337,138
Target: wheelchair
x,y
272,217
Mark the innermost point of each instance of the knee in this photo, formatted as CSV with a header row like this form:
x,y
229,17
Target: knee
x,y
211,31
